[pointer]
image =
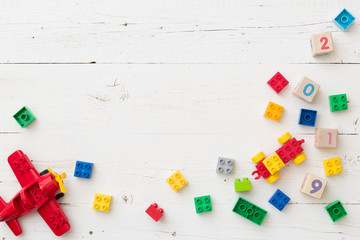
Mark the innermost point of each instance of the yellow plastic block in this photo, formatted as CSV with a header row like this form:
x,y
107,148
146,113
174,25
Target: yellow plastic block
x,y
176,181
274,111
273,163
332,166
102,202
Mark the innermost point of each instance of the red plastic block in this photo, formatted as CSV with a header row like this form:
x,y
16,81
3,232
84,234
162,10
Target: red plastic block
x,y
290,150
154,212
262,171
278,82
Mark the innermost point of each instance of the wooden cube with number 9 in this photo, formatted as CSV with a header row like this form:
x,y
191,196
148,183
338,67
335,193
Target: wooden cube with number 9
x,y
326,137
321,44
313,186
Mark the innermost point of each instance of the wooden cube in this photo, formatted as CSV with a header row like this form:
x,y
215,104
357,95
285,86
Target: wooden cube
x,y
313,186
306,89
326,137
321,44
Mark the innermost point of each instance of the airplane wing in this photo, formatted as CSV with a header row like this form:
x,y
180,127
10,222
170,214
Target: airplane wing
x,y
54,217
22,168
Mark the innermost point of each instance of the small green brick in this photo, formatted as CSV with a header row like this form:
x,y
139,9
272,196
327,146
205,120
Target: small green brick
x,y
336,210
250,211
24,117
203,204
338,102
241,186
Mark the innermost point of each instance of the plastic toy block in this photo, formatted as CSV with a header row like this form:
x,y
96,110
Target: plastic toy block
x,y
338,102
24,117
344,20
155,212
250,211
102,202
313,186
241,186
225,165
307,117
332,166
176,181
306,89
274,111
290,150
321,44
83,169
203,204
326,137
336,210
261,170
273,163
279,200
278,82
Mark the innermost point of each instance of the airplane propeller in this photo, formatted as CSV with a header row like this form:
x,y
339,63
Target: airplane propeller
x,y
59,179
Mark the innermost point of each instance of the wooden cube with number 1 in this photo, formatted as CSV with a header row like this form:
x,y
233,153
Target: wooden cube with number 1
x,y
321,44
326,138
313,186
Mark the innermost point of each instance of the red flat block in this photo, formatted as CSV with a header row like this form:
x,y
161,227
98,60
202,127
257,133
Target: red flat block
x,y
290,150
262,171
154,212
278,82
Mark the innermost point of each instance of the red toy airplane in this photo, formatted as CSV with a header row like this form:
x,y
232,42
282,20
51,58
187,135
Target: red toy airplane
x,y
38,191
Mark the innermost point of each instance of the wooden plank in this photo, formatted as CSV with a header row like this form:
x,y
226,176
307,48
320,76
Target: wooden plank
x,y
160,31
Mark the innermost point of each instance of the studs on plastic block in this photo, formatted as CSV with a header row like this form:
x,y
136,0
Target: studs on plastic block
x,y
274,111
24,117
241,186
225,165
279,200
278,82
338,102
344,20
203,204
176,181
102,202
336,211
155,212
332,166
83,169
249,211
307,117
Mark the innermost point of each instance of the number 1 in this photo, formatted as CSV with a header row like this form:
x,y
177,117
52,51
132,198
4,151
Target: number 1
x,y
330,137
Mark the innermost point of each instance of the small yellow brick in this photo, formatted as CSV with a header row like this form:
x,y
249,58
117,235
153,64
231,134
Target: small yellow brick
x,y
332,166
102,202
176,181
273,163
274,111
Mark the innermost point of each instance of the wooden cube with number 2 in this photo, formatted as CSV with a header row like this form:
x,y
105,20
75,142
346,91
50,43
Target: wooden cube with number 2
x,y
313,186
321,44
326,137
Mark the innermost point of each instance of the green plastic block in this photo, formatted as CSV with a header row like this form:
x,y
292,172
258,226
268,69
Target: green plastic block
x,y
336,210
241,186
203,204
338,102
24,117
250,211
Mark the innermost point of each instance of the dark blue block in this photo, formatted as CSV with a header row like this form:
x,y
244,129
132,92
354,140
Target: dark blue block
x,y
279,200
307,117
83,169
344,20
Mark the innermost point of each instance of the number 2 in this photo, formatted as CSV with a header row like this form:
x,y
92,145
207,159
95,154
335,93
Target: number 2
x,y
316,185
330,137
325,40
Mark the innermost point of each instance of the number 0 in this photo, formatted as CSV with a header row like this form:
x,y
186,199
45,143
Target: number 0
x,y
325,40
307,86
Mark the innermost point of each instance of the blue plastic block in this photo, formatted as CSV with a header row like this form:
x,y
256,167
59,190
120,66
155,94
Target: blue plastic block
x,y
83,169
344,20
279,200
307,117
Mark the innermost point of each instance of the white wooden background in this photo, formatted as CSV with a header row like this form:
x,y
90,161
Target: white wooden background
x,y
143,88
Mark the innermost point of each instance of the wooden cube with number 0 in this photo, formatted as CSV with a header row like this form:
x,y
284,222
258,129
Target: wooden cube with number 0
x,y
326,137
313,186
321,44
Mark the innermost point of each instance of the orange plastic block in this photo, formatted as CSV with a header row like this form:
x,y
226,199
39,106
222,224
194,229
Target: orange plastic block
x,y
274,111
102,202
332,166
273,163
176,181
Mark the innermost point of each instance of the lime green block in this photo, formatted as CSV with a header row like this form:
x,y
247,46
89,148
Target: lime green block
x,y
241,186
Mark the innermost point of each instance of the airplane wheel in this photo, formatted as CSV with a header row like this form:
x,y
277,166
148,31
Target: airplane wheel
x,y
59,195
284,138
299,158
258,157
44,172
273,178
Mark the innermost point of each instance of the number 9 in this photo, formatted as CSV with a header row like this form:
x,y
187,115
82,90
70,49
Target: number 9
x,y
316,185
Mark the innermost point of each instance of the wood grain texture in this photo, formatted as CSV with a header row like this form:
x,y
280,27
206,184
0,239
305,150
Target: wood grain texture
x,y
176,84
